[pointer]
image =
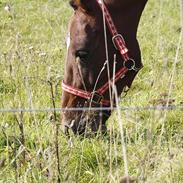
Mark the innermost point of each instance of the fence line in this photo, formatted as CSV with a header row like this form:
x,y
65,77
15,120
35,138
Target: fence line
x,y
131,108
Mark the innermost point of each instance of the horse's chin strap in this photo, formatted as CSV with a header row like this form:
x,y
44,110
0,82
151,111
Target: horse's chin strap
x,y
129,64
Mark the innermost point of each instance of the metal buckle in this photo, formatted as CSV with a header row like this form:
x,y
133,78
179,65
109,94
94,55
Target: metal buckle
x,y
96,98
115,37
130,65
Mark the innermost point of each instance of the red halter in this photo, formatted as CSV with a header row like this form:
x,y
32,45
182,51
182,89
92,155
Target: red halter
x,y
129,64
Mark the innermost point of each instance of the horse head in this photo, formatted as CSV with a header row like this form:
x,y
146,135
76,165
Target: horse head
x,y
90,64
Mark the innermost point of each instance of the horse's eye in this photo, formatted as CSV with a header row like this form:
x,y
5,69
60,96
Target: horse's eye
x,y
82,54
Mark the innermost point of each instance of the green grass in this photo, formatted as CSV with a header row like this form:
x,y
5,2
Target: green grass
x,y
32,54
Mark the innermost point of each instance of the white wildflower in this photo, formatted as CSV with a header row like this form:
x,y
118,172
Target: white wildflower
x,y
31,48
42,54
7,8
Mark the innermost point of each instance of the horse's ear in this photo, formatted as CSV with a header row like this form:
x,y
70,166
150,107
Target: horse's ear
x,y
85,4
74,4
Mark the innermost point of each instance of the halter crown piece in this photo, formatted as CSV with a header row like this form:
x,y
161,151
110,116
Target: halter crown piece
x,y
129,64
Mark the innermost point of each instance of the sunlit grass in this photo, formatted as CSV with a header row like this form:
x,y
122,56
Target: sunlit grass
x,y
32,54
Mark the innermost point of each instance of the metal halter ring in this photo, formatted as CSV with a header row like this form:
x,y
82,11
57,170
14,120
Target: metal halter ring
x,y
96,97
130,64
115,37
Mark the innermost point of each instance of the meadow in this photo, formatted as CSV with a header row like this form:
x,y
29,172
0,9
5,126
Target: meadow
x,y
33,148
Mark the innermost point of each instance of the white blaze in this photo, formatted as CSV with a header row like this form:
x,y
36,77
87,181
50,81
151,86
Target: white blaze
x,y
68,41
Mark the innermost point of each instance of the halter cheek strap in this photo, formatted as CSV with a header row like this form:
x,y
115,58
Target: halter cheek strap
x,y
117,38
129,64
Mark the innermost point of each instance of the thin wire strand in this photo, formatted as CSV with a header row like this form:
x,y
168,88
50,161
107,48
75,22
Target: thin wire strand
x,y
122,108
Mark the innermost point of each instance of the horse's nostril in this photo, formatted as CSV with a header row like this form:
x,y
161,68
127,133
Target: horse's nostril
x,y
65,129
66,126
78,127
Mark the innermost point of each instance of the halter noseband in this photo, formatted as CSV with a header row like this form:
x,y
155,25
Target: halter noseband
x,y
129,64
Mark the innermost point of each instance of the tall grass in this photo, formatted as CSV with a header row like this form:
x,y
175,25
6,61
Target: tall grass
x,y
32,54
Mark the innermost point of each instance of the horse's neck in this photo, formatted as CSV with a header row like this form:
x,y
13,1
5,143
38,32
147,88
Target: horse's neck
x,y
117,2
124,3
126,14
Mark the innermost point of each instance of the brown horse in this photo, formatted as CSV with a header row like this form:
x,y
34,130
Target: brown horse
x,y
86,68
